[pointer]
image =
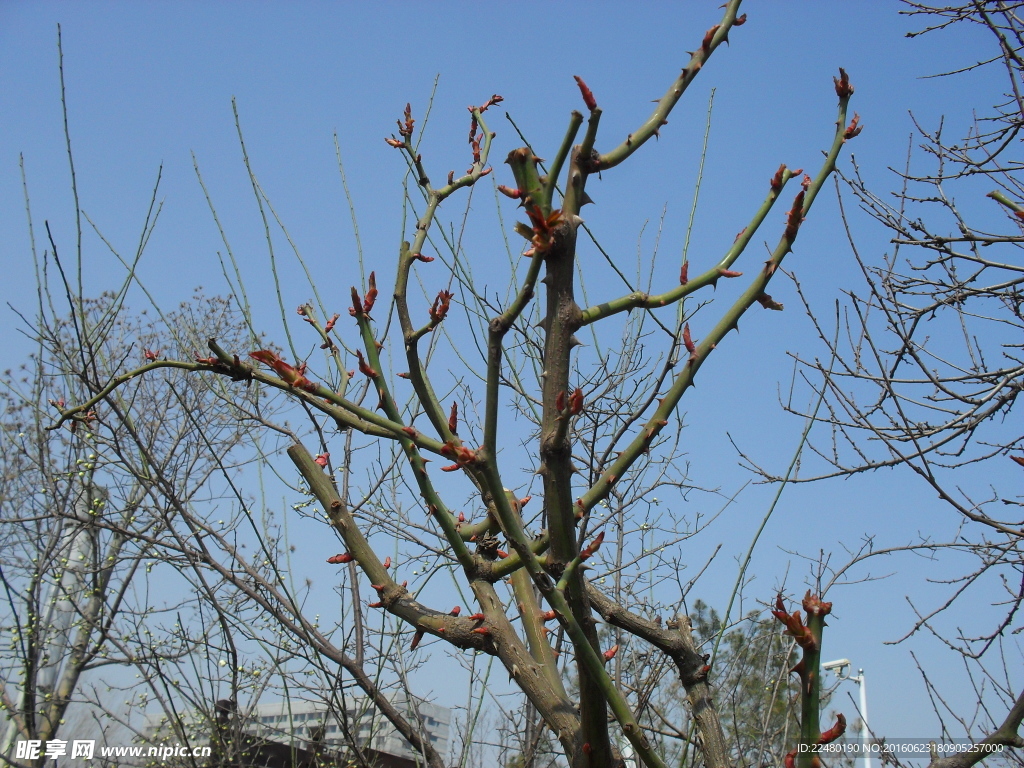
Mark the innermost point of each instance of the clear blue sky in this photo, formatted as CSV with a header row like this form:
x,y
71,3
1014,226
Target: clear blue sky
x,y
150,83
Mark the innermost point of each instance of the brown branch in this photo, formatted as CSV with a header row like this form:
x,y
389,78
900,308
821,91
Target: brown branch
x,y
1006,735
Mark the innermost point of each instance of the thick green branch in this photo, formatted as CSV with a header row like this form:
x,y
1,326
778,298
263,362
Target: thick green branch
x,y
393,597
412,253
710,277
585,651
497,328
478,169
419,467
650,127
575,121
533,623
124,378
728,322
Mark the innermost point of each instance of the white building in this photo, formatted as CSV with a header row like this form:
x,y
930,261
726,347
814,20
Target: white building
x,y
293,721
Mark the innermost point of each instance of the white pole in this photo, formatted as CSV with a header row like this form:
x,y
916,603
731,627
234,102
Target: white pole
x,y
628,755
865,734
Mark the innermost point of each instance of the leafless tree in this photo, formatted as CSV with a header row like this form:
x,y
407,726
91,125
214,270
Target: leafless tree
x,y
593,432
80,518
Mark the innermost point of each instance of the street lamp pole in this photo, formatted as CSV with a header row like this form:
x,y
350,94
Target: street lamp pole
x,y
839,666
865,735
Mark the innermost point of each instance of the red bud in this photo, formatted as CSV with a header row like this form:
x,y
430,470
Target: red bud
x,y
588,96
416,639
453,419
576,401
843,88
371,295
854,128
705,45
835,731
440,307
768,302
589,550
356,310
344,557
688,340
364,367
795,217
465,455
813,604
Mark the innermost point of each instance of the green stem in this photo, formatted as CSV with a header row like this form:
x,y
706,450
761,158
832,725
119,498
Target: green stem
x,y
710,277
575,121
658,118
728,322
